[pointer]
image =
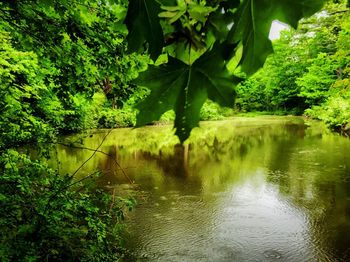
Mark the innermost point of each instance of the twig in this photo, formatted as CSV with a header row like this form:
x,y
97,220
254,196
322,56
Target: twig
x,y
340,11
95,151
76,171
113,200
104,153
80,180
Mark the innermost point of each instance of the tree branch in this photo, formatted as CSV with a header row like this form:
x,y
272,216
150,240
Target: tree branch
x,y
104,153
95,151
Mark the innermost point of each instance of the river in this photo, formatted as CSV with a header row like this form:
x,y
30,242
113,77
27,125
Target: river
x,y
243,189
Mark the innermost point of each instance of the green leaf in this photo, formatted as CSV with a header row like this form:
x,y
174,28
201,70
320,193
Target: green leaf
x,y
172,16
253,21
199,12
174,12
219,23
143,24
185,88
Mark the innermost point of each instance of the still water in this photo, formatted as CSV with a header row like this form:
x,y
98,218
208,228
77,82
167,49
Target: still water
x,y
244,189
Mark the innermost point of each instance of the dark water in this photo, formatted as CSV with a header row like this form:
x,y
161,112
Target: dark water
x,y
247,189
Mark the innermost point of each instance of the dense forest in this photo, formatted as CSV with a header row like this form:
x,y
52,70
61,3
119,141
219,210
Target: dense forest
x,y
308,73
67,67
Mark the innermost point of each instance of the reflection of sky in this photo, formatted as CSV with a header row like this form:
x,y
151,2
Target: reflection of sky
x,y
265,224
249,221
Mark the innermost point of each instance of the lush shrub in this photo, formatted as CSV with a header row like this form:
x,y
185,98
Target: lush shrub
x,y
112,118
251,95
31,111
48,217
335,112
83,112
21,88
42,216
212,111
315,85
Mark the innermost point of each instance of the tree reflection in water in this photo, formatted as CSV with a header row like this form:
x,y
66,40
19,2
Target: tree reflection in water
x,y
228,171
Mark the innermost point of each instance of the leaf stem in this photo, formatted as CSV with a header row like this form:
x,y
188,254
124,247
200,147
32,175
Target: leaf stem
x,y
189,54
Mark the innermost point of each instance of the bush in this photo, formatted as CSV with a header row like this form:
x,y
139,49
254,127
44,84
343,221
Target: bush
x,y
83,112
212,111
335,112
112,118
45,216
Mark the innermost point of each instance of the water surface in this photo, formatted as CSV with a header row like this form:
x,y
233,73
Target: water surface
x,y
246,189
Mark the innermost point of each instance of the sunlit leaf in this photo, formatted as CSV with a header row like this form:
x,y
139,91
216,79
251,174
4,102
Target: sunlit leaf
x,y
199,12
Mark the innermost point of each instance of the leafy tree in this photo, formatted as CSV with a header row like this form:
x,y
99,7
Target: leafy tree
x,y
303,68
252,95
80,47
54,55
283,69
316,83
21,86
274,87
334,110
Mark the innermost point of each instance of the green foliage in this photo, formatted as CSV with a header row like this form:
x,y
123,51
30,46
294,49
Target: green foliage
x,y
65,67
185,88
112,118
144,26
84,112
21,88
59,60
315,84
191,28
306,68
31,111
80,48
46,216
335,112
335,108
212,111
252,26
252,95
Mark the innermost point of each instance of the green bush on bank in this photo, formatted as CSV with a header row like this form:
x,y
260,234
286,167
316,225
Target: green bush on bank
x,y
49,217
335,112
212,111
113,118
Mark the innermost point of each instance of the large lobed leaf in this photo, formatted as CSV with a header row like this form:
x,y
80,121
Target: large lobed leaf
x,y
253,21
185,88
143,24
